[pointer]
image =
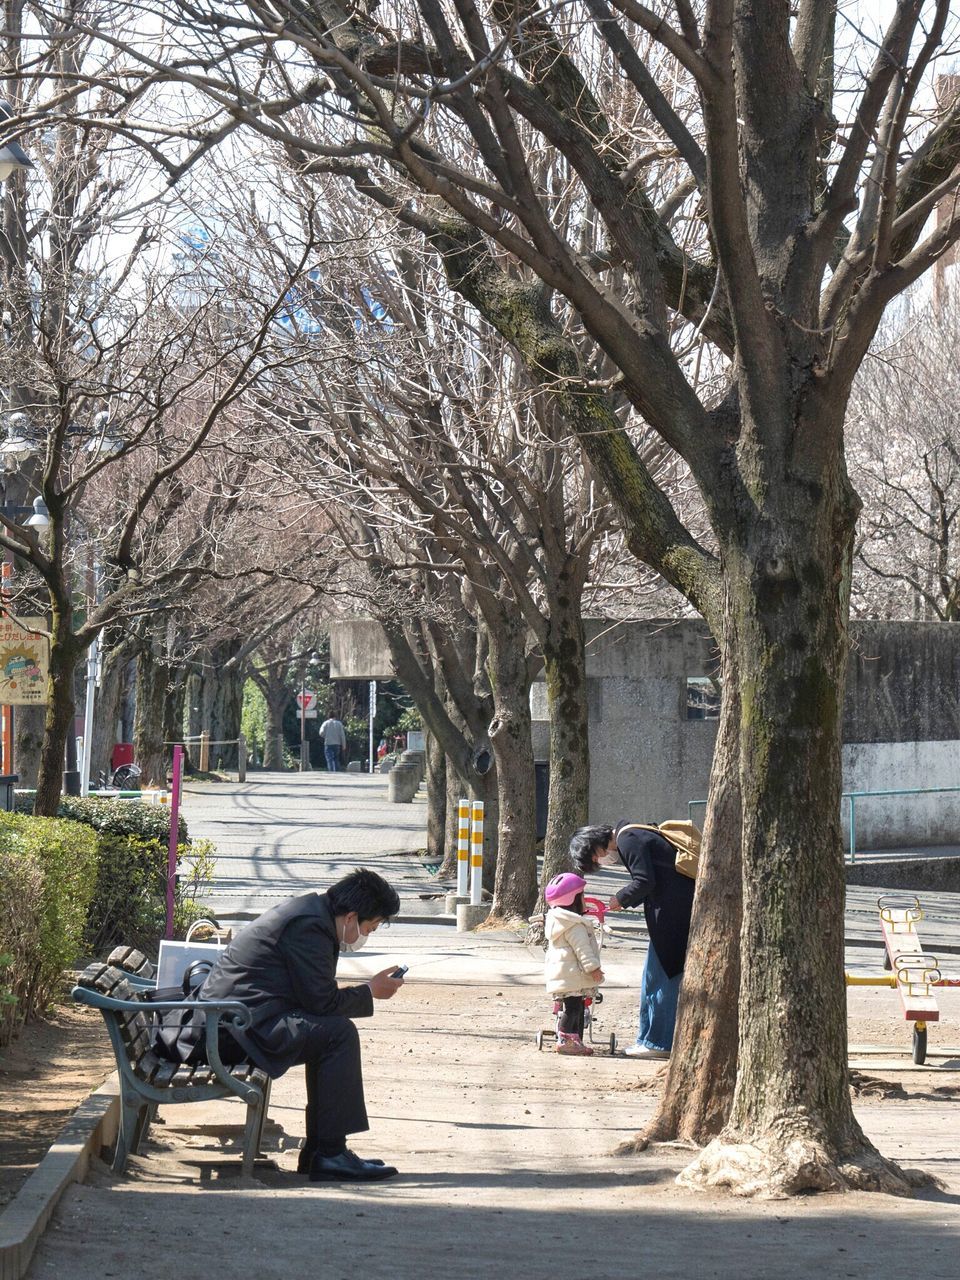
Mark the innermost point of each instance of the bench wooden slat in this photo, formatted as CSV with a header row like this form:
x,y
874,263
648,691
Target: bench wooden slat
x,y
131,961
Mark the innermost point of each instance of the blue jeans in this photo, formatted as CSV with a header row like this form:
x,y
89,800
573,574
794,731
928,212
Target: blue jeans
x,y
658,1004
333,758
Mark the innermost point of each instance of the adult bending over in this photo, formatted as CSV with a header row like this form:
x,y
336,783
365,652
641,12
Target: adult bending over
x,y
667,898
283,968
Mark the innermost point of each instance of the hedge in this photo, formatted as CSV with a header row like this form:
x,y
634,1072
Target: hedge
x,y
85,882
48,867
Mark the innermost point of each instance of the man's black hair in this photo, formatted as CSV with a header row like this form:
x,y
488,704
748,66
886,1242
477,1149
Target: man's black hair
x,y
585,843
366,893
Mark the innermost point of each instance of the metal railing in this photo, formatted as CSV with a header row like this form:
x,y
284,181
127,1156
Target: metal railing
x,y
852,797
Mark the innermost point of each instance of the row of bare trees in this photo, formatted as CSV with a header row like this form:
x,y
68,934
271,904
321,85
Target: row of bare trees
x,y
666,232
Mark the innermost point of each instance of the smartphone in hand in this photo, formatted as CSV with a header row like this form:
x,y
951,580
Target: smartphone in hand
x,y
399,973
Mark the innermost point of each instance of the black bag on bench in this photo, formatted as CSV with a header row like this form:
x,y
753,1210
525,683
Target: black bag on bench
x,y
179,1035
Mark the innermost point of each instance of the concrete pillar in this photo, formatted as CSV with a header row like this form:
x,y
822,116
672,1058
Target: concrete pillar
x,y
470,914
402,784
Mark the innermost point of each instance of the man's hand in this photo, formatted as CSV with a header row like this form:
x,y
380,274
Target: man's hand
x,y
597,976
614,905
382,986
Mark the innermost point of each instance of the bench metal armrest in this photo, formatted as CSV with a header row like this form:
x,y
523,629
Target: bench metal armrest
x,y
229,1011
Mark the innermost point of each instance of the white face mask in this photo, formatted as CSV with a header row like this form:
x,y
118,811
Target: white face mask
x,y
608,859
358,941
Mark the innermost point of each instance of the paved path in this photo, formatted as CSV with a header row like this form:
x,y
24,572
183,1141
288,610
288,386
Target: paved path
x,y
279,834
506,1160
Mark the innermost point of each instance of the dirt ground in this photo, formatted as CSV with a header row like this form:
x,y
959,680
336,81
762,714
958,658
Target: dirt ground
x,y
44,1074
505,1161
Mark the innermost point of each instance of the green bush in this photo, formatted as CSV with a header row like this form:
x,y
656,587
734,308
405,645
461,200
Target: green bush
x,y
117,817
122,817
129,903
47,873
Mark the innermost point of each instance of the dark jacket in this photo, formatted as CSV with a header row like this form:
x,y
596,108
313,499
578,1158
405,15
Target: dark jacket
x,y
667,896
285,963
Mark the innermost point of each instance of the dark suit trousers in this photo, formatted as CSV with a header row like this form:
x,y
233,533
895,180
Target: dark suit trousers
x,y
329,1048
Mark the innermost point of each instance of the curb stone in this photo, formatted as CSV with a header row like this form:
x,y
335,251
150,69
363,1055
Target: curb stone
x,y
92,1126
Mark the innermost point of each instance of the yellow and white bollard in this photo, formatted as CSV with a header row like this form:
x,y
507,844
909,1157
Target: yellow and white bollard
x,y
476,854
463,849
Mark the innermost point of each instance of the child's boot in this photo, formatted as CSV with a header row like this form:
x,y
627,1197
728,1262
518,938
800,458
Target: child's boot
x,y
572,1045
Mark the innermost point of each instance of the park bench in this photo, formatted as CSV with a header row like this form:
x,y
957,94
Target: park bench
x,y
116,987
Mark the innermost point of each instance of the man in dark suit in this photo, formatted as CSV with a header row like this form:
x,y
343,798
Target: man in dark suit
x,y
283,968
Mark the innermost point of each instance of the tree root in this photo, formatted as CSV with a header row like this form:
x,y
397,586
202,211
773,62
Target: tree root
x,y
774,1166
493,923
631,1146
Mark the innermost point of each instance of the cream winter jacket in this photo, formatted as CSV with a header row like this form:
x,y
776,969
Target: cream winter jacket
x,y
573,953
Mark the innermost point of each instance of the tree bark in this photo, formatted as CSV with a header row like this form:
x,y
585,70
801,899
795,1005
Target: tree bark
x,y
454,789
278,699
28,730
564,662
107,711
698,1090
60,712
153,676
436,800
791,1126
515,881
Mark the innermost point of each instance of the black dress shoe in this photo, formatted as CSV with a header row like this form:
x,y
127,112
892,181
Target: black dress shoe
x,y
348,1167
306,1157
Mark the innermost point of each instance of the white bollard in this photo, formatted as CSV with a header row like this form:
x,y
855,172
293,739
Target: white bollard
x,y
463,849
476,854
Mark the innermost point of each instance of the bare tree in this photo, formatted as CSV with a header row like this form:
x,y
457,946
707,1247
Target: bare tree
x,y
786,235
904,447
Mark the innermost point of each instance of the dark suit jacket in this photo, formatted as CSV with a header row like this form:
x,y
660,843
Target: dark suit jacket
x,y
285,963
667,896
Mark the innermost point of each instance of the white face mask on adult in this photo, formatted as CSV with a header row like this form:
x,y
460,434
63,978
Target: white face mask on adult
x,y
358,941
608,859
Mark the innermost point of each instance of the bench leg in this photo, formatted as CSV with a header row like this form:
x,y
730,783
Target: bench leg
x,y
262,1120
134,1118
253,1133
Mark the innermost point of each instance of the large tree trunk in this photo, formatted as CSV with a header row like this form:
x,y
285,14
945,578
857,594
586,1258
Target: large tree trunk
x,y
223,703
215,693
60,712
791,1126
564,662
148,726
28,743
108,706
277,697
515,881
455,793
698,1090
436,800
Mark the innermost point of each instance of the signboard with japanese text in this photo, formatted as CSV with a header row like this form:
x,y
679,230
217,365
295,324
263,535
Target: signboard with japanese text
x,y
24,659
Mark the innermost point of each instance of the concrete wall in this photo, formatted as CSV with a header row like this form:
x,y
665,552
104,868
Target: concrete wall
x,y
358,651
901,730
647,759
901,726
888,823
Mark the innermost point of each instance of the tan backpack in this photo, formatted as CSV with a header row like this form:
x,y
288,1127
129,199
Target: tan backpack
x,y
684,836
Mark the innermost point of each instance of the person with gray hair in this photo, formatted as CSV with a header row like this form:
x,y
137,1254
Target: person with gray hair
x,y
334,741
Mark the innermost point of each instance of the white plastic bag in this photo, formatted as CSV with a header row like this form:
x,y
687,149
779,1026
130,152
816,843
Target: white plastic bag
x,y
176,956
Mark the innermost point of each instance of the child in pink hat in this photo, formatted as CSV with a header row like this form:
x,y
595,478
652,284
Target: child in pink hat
x,y
572,967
